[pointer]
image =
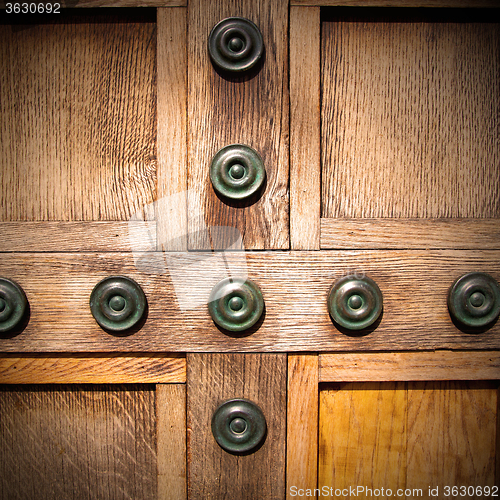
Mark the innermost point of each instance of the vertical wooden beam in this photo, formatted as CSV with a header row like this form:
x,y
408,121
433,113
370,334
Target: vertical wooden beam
x,y
171,206
250,109
302,423
171,441
305,153
213,472
451,434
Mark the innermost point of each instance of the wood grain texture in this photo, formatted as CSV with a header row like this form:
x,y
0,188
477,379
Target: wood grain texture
x,y
251,110
405,366
78,124
97,369
212,472
451,434
302,423
74,237
362,436
171,205
295,287
468,234
398,3
79,442
115,3
305,133
410,115
171,441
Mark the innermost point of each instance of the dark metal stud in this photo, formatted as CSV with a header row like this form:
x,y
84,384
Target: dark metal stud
x,y
355,303
235,44
237,172
474,300
13,305
238,426
117,303
236,305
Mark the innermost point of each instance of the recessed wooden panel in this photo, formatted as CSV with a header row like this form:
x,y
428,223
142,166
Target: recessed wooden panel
x,y
362,436
451,435
77,442
213,379
295,287
78,117
250,109
410,114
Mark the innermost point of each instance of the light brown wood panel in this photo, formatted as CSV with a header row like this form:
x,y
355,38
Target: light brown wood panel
x,y
96,369
302,423
469,234
171,205
75,237
78,117
249,109
171,441
404,366
305,147
410,114
414,285
399,3
213,379
77,442
362,437
451,435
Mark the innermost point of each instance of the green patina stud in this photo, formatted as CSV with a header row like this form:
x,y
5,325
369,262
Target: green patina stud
x,y
13,305
237,172
238,426
117,303
235,45
474,300
235,304
355,303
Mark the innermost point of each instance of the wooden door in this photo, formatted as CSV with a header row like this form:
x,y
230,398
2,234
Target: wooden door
x,y
378,129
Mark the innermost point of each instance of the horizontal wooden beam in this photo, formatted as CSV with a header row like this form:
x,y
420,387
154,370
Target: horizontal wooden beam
x,y
295,286
93,369
115,3
367,234
398,3
409,366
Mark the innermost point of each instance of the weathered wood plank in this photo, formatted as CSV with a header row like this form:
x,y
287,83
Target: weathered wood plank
x,y
78,122
398,3
212,379
171,441
171,205
455,234
451,435
414,285
405,366
249,109
68,4
405,136
302,423
305,132
96,369
74,237
362,436
77,442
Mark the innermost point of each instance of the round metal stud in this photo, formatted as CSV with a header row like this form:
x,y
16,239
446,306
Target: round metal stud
x,y
235,44
117,303
13,305
355,303
238,426
237,172
474,300
235,305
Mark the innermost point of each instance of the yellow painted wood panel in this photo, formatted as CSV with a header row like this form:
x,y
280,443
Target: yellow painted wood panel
x,y
78,117
410,114
362,436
